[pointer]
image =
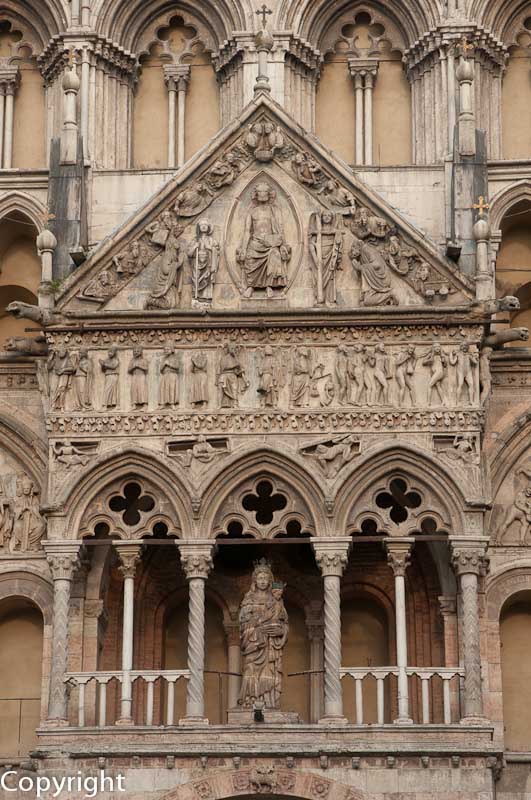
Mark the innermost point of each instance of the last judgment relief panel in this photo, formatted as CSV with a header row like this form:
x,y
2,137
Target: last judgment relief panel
x,y
267,222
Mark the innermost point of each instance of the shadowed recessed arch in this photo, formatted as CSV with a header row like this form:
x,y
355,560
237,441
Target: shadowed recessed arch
x,y
39,19
506,198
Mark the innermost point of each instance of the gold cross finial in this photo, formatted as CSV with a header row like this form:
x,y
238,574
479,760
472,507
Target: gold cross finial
x,y
71,59
481,206
466,46
263,12
48,217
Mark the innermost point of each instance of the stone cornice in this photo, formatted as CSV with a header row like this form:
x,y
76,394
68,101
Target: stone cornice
x,y
446,37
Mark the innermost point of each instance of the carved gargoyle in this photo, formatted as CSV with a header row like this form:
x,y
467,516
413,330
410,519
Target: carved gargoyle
x,y
26,346
26,311
483,308
510,335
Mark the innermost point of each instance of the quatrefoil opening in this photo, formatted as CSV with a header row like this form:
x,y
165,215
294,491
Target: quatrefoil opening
x,y
399,499
264,503
132,504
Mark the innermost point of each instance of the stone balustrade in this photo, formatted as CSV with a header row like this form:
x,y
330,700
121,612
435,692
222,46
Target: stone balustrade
x,y
82,679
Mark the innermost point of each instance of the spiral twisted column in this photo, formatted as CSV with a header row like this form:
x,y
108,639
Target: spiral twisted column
x,y
469,563
196,561
129,555
63,560
398,558
332,557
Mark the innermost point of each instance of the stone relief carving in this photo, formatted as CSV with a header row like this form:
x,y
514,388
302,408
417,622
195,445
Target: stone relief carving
x,y
405,366
466,359
21,523
436,360
138,370
272,376
168,280
263,252
231,377
203,254
519,512
263,634
464,449
170,367
202,450
110,367
264,139
72,455
61,365
325,236
199,393
332,454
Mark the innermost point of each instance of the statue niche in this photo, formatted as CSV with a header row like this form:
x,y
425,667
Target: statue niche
x,y
263,634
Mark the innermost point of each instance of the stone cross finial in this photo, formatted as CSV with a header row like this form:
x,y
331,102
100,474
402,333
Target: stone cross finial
x,y
466,46
263,12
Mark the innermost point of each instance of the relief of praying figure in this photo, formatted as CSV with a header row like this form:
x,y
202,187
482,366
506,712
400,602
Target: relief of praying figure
x,y
263,252
263,635
110,367
326,250
231,378
168,279
170,367
370,264
203,254
83,381
138,369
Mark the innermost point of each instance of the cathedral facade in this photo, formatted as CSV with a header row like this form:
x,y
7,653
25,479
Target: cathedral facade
x,y
265,462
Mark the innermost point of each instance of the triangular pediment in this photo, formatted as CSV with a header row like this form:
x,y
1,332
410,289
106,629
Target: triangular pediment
x,y
285,225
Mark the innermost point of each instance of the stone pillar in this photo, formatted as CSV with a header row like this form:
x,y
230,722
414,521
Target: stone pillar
x,y
332,557
129,555
398,557
63,560
71,84
467,123
314,626
46,244
172,91
85,99
448,610
232,632
358,90
9,77
2,120
196,560
368,87
485,289
469,561
176,78
363,73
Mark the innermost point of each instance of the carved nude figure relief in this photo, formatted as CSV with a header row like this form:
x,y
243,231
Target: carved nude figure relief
x,y
263,634
519,512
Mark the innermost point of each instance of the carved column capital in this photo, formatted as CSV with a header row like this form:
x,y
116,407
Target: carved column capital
x,y
399,556
176,77
63,559
469,560
129,555
331,555
196,559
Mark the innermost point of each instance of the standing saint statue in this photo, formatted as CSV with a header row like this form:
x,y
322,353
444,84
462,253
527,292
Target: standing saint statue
x,y
29,525
263,252
231,377
138,370
170,367
110,367
326,250
263,635
203,254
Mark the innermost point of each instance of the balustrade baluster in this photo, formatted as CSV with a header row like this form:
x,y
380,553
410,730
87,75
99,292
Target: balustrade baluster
x,y
359,701
102,716
81,706
149,706
425,700
446,700
380,693
170,702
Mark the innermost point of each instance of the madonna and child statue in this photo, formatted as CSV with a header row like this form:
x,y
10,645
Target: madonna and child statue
x,y
264,629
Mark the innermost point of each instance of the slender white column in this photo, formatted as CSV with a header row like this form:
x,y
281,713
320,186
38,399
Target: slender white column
x,y
469,563
74,13
358,90
332,557
69,132
129,555
196,560
181,110
85,98
172,91
63,560
232,632
398,557
450,64
367,122
8,128
2,116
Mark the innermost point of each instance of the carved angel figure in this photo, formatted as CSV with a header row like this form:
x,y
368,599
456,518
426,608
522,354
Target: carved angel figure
x,y
326,249
68,454
463,449
263,252
231,377
203,254
263,635
264,140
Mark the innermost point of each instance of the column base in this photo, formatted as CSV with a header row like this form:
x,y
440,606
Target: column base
x,y
333,719
403,721
125,722
193,721
55,722
475,721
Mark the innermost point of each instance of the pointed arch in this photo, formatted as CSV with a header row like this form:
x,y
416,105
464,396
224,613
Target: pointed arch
x,y
263,462
25,204
505,199
409,462
120,464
